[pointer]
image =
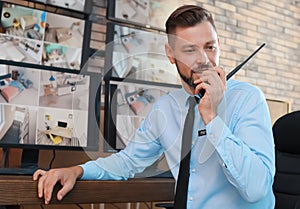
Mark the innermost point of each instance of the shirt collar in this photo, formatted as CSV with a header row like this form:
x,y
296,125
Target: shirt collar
x,y
186,98
181,97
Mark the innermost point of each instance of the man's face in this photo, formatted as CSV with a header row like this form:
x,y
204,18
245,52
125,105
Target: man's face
x,y
194,49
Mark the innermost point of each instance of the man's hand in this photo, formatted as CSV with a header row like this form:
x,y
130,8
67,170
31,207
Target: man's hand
x,y
47,179
214,83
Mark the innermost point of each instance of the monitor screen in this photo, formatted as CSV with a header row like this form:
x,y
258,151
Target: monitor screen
x,y
40,39
47,108
76,5
138,54
136,65
42,109
146,13
127,104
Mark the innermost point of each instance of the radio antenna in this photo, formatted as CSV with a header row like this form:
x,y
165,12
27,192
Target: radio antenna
x,y
237,68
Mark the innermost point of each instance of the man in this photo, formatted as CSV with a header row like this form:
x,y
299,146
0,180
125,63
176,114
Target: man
x,y
232,154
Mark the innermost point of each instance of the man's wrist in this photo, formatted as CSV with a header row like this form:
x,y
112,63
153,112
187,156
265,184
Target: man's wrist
x,y
209,118
78,170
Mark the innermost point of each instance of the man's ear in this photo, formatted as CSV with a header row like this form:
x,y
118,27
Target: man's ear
x,y
169,53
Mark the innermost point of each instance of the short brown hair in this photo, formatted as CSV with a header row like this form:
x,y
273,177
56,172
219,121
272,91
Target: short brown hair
x,y
187,16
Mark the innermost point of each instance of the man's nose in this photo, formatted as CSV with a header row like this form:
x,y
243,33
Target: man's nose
x,y
202,57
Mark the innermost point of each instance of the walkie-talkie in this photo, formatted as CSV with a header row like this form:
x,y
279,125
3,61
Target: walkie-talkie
x,y
237,68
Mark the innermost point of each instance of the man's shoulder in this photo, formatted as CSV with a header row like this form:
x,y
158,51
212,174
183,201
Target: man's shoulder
x,y
173,96
243,90
241,85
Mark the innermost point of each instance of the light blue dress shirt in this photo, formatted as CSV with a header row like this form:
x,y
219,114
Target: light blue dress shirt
x,y
232,166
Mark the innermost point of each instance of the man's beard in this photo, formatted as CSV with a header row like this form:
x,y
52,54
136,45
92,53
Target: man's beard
x,y
187,80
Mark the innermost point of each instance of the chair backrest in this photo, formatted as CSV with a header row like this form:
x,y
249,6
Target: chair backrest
x,y
286,132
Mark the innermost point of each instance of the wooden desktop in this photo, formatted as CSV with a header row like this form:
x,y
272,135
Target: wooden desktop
x,y
22,190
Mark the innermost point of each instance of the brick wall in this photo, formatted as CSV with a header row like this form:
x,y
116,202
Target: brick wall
x,y
243,25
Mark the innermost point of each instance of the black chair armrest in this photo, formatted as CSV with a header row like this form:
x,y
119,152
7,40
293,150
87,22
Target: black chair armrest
x,y
165,205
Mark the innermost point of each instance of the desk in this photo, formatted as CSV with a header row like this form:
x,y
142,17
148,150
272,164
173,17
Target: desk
x,y
60,131
22,190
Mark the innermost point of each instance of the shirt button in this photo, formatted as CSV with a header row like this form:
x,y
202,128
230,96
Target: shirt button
x,y
193,170
191,198
212,138
193,142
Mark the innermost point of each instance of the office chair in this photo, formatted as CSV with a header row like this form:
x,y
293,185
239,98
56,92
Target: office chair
x,y
286,185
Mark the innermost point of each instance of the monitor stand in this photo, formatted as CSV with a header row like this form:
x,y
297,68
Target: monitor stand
x,y
29,162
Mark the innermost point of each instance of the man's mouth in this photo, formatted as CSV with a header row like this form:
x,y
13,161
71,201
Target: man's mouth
x,y
197,70
201,68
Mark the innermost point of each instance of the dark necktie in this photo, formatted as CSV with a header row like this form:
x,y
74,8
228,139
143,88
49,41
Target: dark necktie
x,y
184,170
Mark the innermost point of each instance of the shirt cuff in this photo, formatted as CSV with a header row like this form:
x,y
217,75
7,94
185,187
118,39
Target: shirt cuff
x,y
89,169
102,169
216,131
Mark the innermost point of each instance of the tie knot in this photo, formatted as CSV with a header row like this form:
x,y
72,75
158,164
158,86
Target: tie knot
x,y
192,101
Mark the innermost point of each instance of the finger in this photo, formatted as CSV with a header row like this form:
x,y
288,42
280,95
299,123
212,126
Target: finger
x,y
41,187
208,77
48,188
199,87
64,190
221,73
217,75
37,174
60,195
203,78
209,86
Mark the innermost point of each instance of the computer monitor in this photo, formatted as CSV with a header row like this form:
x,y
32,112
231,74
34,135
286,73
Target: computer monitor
x,y
42,109
41,39
138,72
137,54
127,103
143,13
49,98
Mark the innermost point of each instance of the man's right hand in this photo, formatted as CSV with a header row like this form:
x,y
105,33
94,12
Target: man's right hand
x,y
47,179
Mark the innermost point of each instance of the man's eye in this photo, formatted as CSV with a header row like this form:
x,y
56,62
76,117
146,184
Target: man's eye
x,y
189,50
211,48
